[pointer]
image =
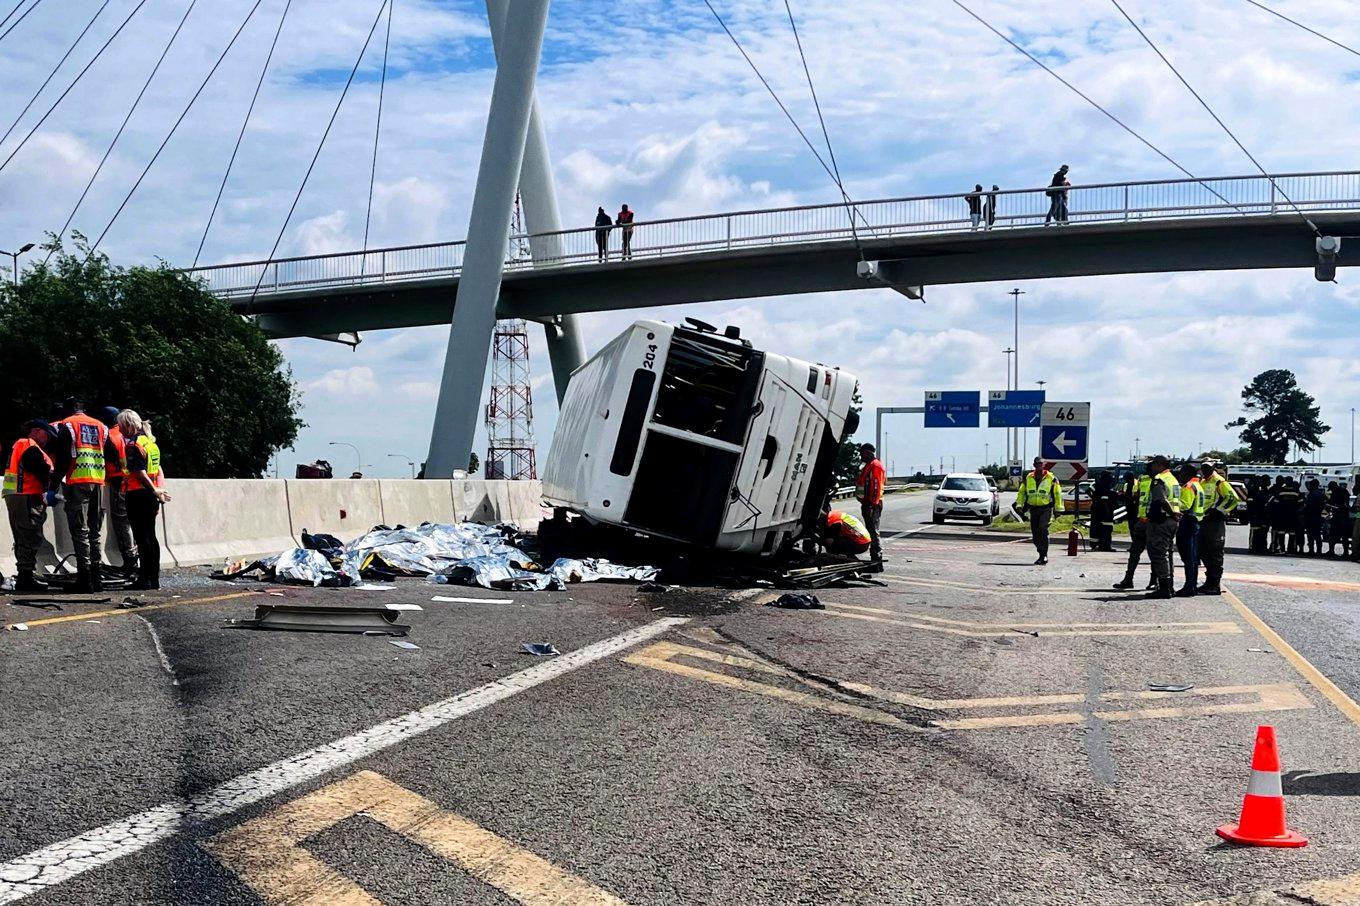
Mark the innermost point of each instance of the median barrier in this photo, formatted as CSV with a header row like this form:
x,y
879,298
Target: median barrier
x,y
343,507
472,500
410,502
213,520
57,540
526,503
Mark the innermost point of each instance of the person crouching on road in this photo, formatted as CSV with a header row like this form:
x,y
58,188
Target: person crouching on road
x,y
1220,502
113,483
1040,496
843,534
1187,531
869,493
27,475
1162,509
142,477
78,459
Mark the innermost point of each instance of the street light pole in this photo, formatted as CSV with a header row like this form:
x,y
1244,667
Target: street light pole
x,y
359,466
14,258
1010,432
411,462
1352,435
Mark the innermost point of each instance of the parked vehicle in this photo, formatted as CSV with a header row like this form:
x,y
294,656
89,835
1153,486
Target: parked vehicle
x,y
965,495
685,434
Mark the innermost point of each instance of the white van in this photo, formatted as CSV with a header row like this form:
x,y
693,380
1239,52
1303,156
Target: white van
x,y
687,434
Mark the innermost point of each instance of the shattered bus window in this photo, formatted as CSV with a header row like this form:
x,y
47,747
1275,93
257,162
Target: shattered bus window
x,y
707,388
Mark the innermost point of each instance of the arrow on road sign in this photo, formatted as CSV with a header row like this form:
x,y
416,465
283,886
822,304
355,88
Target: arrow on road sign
x,y
950,416
1062,443
1067,471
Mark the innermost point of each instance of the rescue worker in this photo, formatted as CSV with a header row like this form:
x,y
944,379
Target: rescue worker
x,y
1136,489
78,462
1220,502
869,493
1162,510
142,474
113,482
25,489
1103,505
1187,531
1039,497
843,534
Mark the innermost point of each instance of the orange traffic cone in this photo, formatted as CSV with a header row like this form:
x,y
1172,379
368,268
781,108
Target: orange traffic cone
x,y
1262,821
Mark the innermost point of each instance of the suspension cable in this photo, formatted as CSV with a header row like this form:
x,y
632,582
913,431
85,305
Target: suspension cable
x,y
850,209
74,82
377,131
1313,31
53,74
1085,97
1205,104
131,110
12,12
240,135
187,107
15,23
321,144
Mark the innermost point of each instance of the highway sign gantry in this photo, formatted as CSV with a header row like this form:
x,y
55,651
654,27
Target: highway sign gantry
x,y
1064,431
952,408
1014,408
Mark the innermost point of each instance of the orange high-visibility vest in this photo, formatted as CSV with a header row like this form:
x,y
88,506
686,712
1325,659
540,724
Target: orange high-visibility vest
x,y
113,466
87,449
17,481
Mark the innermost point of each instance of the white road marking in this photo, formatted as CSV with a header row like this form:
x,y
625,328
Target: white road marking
x,y
59,862
160,651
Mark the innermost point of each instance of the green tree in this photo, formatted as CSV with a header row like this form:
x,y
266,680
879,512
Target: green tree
x,y
1284,416
847,458
219,395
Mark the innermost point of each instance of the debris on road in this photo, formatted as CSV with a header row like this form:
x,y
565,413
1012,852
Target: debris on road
x,y
401,644
1169,687
445,599
402,607
18,627
130,602
39,603
293,618
797,602
539,649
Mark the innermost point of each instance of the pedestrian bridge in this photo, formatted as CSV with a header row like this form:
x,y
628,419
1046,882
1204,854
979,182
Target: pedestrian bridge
x,y
1220,223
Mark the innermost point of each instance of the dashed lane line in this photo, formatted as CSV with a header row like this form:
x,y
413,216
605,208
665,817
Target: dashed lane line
x,y
992,630
1303,583
56,863
1344,703
126,611
267,853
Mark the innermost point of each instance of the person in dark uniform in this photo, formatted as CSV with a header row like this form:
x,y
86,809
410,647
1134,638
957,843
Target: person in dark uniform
x,y
27,475
1314,502
1104,502
602,227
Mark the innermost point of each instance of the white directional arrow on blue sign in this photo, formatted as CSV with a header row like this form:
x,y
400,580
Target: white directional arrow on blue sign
x,y
1064,431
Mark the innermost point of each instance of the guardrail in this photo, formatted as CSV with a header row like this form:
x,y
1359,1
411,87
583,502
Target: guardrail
x,y
1247,196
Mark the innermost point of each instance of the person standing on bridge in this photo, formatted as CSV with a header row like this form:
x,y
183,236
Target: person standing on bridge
x,y
1136,490
602,227
78,460
869,493
1221,501
989,207
974,199
1057,197
625,224
26,497
1193,506
1039,497
142,474
1162,510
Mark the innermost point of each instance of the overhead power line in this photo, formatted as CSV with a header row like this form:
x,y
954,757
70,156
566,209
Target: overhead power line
x,y
321,144
11,12
74,82
131,110
1313,31
1087,98
53,74
171,134
264,70
377,131
15,24
1217,119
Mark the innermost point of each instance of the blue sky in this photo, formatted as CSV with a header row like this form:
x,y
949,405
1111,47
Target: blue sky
x,y
647,102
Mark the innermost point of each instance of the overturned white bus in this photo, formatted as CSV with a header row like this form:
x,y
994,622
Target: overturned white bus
x,y
690,435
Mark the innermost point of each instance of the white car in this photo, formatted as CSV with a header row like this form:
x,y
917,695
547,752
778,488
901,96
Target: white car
x,y
965,495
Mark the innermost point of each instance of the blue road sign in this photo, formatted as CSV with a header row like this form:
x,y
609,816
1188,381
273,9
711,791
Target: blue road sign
x,y
952,408
1016,471
1063,443
1014,408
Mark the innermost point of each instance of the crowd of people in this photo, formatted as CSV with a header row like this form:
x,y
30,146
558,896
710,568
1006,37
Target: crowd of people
x,y
1288,519
87,465
604,224
982,205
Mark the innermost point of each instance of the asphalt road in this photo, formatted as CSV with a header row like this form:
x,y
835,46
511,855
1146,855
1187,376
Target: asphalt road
x,y
973,730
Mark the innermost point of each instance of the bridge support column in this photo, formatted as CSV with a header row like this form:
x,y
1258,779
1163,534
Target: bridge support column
x,y
566,350
479,285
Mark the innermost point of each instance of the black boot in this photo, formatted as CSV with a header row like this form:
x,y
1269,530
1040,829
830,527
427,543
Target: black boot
x,y
1152,584
97,578
1210,586
82,586
1163,591
1125,584
1186,591
26,584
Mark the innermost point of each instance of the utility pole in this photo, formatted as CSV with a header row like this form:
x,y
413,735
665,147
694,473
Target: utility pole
x,y
1352,435
1009,431
1015,296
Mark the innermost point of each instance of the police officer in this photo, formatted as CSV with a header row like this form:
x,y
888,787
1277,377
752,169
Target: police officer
x,y
1162,510
1220,502
1102,512
1039,497
869,493
1187,531
27,475
113,482
1136,489
78,461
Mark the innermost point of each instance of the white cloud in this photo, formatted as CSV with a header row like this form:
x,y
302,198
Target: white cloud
x,y
356,384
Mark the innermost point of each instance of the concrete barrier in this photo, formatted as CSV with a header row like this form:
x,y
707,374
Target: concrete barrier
x,y
57,540
526,503
215,520
344,508
409,503
472,501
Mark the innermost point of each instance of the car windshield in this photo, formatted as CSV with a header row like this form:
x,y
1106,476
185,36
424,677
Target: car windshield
x,y
964,484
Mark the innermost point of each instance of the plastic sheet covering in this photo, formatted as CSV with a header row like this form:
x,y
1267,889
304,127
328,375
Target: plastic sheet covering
x,y
299,566
496,571
594,569
432,548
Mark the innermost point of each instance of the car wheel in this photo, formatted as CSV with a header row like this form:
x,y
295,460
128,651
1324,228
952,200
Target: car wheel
x,y
986,520
938,520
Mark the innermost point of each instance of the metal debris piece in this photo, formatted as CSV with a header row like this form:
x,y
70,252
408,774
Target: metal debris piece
x,y
403,607
400,644
293,618
131,602
18,627
1169,687
1258,650
539,649
447,600
39,603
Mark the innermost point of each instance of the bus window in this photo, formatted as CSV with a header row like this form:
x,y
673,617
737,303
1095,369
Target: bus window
x,y
707,388
630,426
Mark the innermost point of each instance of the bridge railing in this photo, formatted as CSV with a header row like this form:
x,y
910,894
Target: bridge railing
x,y
1248,196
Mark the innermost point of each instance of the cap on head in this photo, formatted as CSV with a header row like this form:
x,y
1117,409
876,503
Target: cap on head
x,y
1038,460
866,448
1159,458
1064,168
109,415
39,423
1206,469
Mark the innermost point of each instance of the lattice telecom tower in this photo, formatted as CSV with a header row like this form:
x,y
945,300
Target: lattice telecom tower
x,y
510,413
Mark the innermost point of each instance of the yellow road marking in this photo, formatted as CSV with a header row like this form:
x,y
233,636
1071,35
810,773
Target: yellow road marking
x,y
1269,697
1302,582
1344,703
991,630
124,611
1343,891
267,853
983,589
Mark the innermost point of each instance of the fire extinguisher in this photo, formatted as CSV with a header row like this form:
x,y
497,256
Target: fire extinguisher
x,y
1073,539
